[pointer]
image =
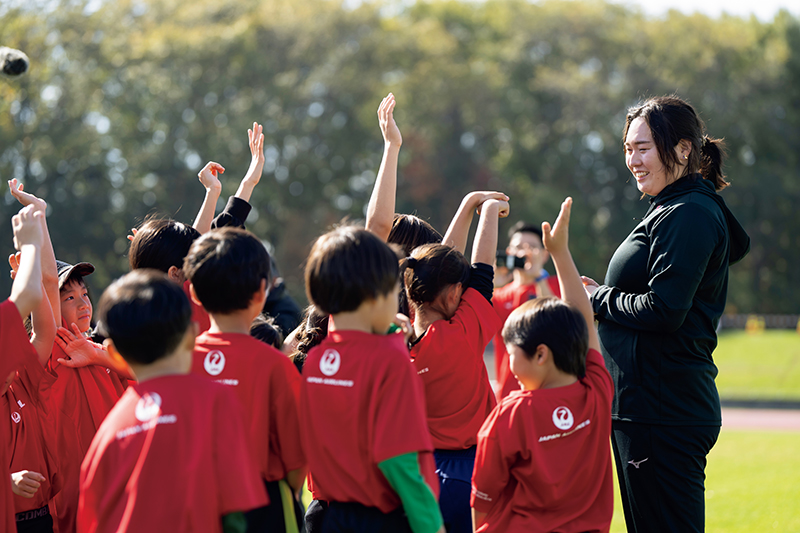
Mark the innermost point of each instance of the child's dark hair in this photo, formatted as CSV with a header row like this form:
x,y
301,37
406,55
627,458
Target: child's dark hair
x,y
145,314
348,266
672,120
161,243
557,325
524,227
314,330
431,268
409,231
226,267
264,329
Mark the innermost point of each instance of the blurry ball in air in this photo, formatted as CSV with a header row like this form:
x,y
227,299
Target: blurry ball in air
x,y
13,62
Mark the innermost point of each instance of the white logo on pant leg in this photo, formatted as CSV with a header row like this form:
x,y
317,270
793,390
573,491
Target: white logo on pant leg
x,y
637,463
214,362
148,406
330,362
562,418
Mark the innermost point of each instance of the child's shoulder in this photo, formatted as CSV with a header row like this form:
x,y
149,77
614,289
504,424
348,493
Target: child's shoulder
x,y
241,346
364,348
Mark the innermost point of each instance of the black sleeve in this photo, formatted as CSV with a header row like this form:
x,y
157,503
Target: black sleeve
x,y
481,278
234,214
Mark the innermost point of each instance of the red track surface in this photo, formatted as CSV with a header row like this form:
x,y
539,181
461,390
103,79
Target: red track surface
x,y
761,419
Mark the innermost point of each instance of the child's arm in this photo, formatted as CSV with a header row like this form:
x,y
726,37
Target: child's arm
x,y
43,327
83,352
484,247
208,177
420,505
380,212
556,241
458,231
478,518
26,291
48,259
255,139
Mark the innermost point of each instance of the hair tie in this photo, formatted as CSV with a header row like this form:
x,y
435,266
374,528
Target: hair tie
x,y
411,262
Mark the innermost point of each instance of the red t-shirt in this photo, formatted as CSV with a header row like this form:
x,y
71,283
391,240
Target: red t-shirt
x,y
361,404
32,430
449,359
16,348
505,300
81,397
268,388
171,456
543,461
199,314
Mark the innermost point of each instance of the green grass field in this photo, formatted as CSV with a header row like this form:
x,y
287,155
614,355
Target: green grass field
x,y
751,484
759,366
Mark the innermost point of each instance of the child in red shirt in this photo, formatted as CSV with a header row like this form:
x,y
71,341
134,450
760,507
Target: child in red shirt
x,y
26,295
229,272
530,280
362,409
454,321
172,455
543,460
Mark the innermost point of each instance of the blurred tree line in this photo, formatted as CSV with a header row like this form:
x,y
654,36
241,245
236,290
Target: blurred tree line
x,y
126,100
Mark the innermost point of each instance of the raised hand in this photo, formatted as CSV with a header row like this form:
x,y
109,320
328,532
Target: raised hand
x,y
208,177
255,138
26,226
556,238
26,198
389,129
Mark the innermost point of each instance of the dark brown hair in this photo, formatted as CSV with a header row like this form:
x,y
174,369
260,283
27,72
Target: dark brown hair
x,y
226,267
672,120
145,314
314,330
161,243
524,227
557,325
348,266
264,329
431,268
409,231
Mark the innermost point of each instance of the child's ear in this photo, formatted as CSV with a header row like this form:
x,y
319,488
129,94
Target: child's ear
x,y
542,354
193,294
191,334
115,355
261,294
175,275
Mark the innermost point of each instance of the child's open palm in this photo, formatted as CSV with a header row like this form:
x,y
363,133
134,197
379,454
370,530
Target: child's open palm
x,y
389,129
556,239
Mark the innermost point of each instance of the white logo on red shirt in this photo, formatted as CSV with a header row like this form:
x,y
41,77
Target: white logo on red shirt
x,y
148,406
21,405
15,417
330,362
214,362
562,418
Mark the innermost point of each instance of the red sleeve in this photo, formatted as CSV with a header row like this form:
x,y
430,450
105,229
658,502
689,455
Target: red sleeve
x,y
477,320
237,474
492,463
285,431
399,412
13,338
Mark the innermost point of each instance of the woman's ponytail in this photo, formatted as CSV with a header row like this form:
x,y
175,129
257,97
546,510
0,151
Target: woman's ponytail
x,y
712,153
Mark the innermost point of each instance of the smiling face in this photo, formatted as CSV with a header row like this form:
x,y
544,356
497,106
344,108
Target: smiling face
x,y
642,159
76,308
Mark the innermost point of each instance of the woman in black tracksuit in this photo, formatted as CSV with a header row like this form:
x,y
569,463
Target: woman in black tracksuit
x,y
658,310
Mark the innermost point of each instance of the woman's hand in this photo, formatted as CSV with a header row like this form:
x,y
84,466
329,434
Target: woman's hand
x,y
590,285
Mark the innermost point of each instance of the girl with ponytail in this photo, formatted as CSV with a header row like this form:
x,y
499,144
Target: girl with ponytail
x,y
657,313
454,321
